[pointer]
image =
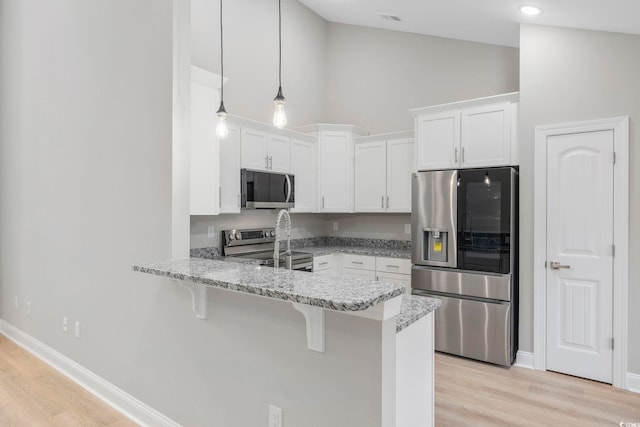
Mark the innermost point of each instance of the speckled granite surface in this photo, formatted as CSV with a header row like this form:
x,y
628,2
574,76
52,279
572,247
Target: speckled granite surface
x,y
414,308
334,293
208,253
348,245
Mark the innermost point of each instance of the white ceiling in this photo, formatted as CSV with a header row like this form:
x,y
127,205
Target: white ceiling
x,y
485,21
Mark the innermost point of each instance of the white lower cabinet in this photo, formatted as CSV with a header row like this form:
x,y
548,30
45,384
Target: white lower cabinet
x,y
325,264
382,269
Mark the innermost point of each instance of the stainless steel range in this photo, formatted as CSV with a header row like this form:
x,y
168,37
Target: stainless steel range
x,y
258,244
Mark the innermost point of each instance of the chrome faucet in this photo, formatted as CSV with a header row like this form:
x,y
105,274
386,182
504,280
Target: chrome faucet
x,y
276,247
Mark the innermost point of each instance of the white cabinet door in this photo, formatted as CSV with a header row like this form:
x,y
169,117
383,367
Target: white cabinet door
x,y
303,167
361,274
486,136
278,151
370,176
229,190
254,149
204,149
335,180
400,163
438,140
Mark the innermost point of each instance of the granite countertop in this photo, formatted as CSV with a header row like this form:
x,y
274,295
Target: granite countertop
x,y
414,308
334,293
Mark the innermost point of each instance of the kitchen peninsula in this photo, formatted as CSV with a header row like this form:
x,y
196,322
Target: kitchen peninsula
x,y
363,337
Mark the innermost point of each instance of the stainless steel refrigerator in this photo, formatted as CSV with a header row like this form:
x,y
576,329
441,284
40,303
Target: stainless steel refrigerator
x,y
465,252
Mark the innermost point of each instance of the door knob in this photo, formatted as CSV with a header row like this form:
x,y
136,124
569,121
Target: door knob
x,y
557,266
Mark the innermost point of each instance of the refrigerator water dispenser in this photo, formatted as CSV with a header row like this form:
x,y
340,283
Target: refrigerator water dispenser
x,y
435,243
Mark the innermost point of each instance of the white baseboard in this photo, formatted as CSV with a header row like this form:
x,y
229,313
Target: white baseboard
x,y
524,359
633,382
121,401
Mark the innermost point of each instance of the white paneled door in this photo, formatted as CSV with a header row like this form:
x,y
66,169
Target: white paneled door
x,y
580,254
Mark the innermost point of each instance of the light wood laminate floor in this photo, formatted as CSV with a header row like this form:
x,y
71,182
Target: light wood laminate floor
x,y
468,393
32,394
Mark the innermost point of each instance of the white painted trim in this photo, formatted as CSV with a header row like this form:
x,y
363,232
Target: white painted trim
x,y
113,396
314,319
524,359
633,382
469,103
620,127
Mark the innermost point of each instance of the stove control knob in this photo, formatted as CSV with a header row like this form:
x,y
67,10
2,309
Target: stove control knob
x,y
265,233
232,236
238,236
273,233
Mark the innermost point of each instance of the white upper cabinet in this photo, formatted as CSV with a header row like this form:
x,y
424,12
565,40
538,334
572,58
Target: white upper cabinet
x,y
400,163
485,136
204,150
335,171
303,167
254,149
383,170
467,134
278,147
229,190
370,176
265,151
438,140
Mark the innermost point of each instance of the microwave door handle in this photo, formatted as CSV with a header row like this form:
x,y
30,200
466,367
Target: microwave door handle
x,y
288,188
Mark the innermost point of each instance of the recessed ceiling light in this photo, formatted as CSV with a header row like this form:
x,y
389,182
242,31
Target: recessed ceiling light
x,y
389,17
530,10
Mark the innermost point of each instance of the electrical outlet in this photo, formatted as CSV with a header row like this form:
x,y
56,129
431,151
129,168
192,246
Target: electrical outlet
x,y
15,302
275,416
407,229
211,232
335,226
65,325
28,307
77,329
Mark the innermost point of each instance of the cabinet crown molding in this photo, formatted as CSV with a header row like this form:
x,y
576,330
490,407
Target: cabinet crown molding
x,y
458,105
329,127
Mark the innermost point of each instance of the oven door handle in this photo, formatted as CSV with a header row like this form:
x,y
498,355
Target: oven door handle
x,y
286,177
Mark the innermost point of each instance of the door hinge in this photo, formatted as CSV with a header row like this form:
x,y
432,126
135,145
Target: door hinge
x,y
614,157
545,264
613,250
612,342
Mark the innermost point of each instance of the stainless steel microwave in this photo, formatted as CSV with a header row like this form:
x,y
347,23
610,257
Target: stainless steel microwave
x,y
266,190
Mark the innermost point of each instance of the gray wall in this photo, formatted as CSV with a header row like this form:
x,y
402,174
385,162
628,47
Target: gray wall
x,y
375,76
251,56
572,75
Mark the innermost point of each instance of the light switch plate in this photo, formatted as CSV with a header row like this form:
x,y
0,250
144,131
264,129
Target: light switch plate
x,y
335,225
407,229
211,231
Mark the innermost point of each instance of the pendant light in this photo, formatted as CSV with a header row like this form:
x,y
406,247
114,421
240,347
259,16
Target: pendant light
x,y
221,127
279,115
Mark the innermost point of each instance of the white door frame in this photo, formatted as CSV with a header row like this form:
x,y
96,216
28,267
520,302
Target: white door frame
x,y
620,128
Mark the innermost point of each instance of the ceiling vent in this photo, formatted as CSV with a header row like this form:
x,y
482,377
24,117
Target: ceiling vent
x,y
389,17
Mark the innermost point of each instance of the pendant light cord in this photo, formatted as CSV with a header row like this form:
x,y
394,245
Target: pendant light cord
x,y
279,43
221,59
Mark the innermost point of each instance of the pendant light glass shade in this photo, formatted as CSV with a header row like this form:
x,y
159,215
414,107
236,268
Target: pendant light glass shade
x,y
221,126
279,115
